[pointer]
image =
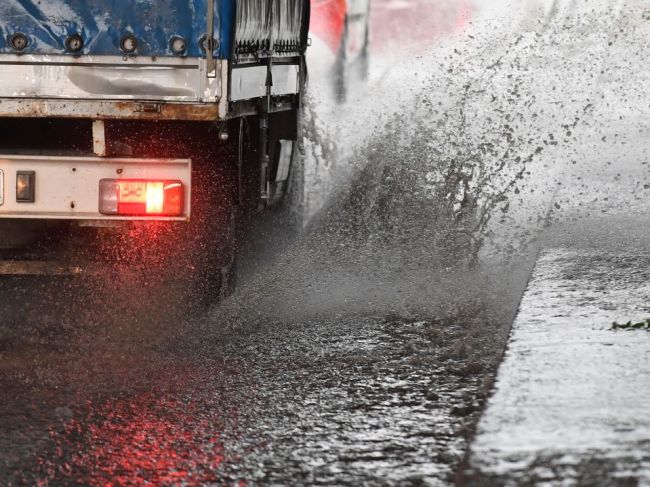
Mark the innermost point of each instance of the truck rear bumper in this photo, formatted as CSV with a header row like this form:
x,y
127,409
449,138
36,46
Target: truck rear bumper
x,y
67,188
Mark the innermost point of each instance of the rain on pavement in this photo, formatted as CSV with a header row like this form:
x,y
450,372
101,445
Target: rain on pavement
x,y
365,352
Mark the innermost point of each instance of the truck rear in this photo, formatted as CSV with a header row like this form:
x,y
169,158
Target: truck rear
x,y
140,132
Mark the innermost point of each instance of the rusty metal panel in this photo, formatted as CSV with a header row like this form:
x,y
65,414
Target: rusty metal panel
x,y
123,110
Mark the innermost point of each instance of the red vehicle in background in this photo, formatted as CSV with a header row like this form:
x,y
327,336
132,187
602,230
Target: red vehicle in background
x,y
343,27
343,31
414,25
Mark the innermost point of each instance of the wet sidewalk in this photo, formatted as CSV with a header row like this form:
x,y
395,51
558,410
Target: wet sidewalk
x,y
570,405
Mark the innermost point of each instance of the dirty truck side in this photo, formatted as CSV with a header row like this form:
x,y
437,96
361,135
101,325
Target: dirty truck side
x,y
144,131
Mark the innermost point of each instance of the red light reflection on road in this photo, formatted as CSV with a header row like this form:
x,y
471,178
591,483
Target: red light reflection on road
x,y
143,439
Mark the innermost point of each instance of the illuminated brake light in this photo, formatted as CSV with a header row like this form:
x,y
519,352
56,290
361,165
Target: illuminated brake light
x,y
140,197
155,196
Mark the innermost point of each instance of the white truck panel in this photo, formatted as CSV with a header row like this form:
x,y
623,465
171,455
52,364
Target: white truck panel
x,y
68,187
249,82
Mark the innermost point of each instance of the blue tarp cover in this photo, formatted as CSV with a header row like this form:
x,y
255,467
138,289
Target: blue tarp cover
x,y
103,23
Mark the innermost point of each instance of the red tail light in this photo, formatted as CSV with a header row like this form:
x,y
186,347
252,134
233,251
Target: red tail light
x,y
141,197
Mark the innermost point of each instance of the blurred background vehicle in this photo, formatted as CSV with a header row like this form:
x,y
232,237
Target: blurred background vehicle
x,y
343,28
346,33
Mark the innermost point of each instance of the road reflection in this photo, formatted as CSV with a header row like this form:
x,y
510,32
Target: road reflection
x,y
169,434
142,439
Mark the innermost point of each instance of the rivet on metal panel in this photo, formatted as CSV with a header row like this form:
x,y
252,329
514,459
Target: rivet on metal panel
x,y
129,44
178,45
19,41
74,43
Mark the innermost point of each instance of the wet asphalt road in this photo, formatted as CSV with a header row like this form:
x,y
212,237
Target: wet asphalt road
x,y
347,400
363,361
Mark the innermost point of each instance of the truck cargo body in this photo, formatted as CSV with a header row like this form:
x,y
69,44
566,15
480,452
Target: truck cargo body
x,y
147,60
117,110
167,61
